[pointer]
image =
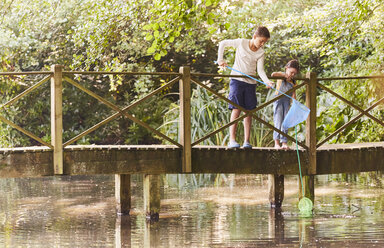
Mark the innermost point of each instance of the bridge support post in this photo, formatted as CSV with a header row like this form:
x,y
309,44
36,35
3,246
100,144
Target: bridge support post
x,y
310,127
152,196
123,193
310,137
57,118
185,118
276,190
309,187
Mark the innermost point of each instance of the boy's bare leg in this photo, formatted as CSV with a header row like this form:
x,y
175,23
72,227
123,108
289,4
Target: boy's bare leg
x,y
232,129
247,128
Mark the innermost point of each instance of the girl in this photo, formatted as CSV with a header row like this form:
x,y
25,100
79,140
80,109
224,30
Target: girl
x,y
281,106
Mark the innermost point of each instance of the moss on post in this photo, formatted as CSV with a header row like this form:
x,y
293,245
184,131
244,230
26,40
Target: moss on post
x,y
152,196
123,193
276,190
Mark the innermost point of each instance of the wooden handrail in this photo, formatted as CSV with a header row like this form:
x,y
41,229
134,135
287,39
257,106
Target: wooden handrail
x,y
29,134
351,104
114,116
25,92
172,74
16,98
350,122
215,75
349,78
23,73
120,111
122,73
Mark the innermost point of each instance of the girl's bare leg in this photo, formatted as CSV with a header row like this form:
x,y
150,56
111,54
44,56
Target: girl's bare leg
x,y
284,146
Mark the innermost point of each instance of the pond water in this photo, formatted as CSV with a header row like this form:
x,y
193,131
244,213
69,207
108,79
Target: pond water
x,y
197,211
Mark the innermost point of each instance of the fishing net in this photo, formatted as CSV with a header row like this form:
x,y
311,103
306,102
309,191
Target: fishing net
x,y
305,205
296,114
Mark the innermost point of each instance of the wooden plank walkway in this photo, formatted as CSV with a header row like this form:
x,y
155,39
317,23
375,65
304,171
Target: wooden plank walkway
x,y
166,159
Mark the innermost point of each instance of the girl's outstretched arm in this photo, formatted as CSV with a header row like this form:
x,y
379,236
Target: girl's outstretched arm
x,y
278,74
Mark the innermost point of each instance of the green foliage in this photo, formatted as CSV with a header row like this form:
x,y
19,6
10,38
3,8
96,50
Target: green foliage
x,y
175,19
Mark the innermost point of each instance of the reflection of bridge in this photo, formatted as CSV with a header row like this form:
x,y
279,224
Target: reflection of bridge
x,y
183,156
281,233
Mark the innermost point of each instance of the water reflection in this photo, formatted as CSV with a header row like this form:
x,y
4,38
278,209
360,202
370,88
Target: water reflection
x,y
80,212
123,231
276,224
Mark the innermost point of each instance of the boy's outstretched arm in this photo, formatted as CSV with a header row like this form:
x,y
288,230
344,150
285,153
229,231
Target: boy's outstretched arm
x,y
220,53
261,72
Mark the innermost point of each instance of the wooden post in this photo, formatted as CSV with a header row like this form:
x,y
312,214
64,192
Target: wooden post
x,y
57,118
152,196
276,190
310,137
185,118
310,127
309,187
123,193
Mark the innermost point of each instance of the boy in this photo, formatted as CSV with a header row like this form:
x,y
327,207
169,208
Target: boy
x,y
242,91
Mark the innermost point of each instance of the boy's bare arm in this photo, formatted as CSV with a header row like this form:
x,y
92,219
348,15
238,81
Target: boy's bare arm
x,y
261,72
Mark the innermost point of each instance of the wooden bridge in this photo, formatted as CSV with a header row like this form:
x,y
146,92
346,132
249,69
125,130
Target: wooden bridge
x,y
184,156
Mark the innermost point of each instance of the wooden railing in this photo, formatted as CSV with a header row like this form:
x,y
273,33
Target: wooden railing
x,y
349,103
185,79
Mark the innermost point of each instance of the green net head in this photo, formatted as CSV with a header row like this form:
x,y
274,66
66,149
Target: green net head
x,y
305,205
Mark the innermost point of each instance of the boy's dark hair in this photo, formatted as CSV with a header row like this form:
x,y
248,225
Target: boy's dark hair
x,y
262,32
293,64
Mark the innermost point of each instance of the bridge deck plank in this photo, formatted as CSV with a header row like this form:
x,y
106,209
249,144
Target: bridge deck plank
x,y
158,159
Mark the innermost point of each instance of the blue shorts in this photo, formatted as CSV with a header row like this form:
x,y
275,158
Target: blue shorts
x,y
242,94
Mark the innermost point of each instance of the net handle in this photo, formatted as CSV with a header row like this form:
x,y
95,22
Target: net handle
x,y
242,73
298,158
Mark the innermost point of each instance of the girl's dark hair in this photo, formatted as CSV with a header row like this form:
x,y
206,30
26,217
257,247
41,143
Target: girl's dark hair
x,y
293,64
262,32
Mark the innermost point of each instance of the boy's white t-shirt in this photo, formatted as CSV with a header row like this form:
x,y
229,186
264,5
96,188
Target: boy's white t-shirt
x,y
246,60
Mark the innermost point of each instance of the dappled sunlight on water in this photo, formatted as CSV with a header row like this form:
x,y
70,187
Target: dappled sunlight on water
x,y
80,212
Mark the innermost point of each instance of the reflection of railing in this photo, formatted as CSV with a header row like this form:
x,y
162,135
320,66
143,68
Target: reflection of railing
x,y
185,78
